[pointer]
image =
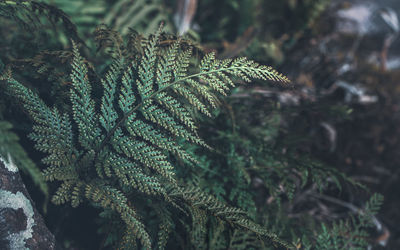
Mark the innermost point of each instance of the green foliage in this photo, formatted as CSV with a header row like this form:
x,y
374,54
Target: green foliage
x,y
30,14
351,233
141,15
85,14
229,17
257,28
119,148
249,150
253,170
11,150
129,143
121,15
31,31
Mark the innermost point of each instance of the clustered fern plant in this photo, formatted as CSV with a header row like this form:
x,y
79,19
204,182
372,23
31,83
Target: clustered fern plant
x,y
128,144
117,149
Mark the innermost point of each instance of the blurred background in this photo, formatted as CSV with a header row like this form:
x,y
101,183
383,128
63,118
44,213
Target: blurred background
x,y
342,108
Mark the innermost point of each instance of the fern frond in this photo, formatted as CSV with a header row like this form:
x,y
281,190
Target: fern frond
x,y
242,240
27,13
109,197
130,174
127,96
109,115
53,132
181,64
165,227
128,241
55,138
53,173
147,155
166,64
198,232
63,193
148,132
78,194
82,104
127,136
109,40
147,67
374,204
144,15
192,99
237,217
159,116
203,91
177,109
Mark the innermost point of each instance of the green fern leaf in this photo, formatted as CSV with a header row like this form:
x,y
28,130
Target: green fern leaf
x,y
82,104
112,198
108,115
127,137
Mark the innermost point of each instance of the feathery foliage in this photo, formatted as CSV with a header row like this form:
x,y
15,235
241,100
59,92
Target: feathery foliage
x,y
29,14
120,147
11,150
351,233
250,169
142,15
121,15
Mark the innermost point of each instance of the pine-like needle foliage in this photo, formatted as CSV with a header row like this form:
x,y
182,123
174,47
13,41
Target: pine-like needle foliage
x,y
119,148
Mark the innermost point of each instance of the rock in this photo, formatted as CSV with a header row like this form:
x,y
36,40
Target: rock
x,y
21,225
